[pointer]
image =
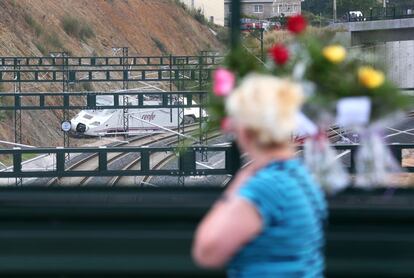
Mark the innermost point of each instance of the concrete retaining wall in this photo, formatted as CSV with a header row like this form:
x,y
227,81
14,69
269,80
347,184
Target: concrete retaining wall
x,y
398,57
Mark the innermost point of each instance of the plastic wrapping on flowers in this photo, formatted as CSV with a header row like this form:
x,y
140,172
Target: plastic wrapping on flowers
x,y
342,89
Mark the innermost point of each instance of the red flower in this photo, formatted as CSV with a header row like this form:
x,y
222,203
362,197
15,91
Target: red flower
x,y
279,53
297,24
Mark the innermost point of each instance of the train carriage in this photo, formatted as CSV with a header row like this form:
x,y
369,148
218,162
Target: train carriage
x,y
103,122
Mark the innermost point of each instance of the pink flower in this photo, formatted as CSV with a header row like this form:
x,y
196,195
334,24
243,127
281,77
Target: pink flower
x,y
223,82
226,125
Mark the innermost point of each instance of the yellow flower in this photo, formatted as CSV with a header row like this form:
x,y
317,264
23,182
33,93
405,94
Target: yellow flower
x,y
370,78
334,53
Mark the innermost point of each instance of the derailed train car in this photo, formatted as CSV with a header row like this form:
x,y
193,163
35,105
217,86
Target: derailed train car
x,y
103,122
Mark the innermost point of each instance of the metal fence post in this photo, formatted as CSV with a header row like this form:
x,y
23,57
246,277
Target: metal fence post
x,y
235,42
17,111
187,165
235,23
125,85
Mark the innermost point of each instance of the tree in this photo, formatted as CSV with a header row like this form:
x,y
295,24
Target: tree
x,y
401,3
345,6
318,7
325,7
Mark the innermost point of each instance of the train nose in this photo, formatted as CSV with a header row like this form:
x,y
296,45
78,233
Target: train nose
x,y
81,128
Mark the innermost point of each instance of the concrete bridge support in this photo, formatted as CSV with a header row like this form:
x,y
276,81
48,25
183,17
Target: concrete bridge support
x,y
390,40
398,57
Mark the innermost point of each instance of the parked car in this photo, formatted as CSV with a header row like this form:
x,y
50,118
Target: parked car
x,y
356,16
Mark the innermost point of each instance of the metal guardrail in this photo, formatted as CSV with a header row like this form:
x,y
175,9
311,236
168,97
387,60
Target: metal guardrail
x,y
39,101
187,158
396,150
187,165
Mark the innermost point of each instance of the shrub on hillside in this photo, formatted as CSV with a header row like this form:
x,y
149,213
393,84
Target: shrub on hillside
x,y
76,28
180,4
87,86
41,48
33,24
52,40
160,45
223,35
197,14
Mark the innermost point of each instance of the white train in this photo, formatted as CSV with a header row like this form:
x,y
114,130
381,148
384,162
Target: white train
x,y
110,121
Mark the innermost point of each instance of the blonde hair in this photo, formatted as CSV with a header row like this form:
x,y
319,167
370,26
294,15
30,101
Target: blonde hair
x,y
267,106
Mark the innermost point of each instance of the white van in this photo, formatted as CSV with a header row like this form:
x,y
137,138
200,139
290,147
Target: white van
x,y
356,16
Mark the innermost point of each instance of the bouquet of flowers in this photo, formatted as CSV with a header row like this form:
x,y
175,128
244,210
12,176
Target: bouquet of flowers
x,y
342,87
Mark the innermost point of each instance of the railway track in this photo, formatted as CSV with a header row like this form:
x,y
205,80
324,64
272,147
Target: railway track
x,y
125,161
158,161
90,162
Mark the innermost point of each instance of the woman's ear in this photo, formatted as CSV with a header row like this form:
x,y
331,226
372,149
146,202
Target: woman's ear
x,y
245,138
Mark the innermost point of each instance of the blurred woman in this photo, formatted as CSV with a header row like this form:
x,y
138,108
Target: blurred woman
x,y
269,221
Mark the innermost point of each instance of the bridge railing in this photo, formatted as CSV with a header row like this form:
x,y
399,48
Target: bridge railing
x,y
383,14
347,154
188,161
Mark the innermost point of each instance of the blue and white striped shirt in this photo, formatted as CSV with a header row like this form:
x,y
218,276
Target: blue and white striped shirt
x,y
293,210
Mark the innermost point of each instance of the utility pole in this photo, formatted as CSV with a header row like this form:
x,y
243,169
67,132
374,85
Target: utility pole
x,y
17,112
124,62
384,3
235,23
125,87
335,11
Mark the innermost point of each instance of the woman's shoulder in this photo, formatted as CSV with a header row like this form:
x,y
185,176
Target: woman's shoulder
x,y
267,180
278,170
281,178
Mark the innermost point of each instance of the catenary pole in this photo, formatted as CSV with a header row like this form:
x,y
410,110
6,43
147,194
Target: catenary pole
x,y
235,23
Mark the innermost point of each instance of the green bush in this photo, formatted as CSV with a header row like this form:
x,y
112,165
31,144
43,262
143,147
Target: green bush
x,y
53,40
86,32
33,24
223,35
41,48
76,28
199,16
71,26
160,45
180,4
87,86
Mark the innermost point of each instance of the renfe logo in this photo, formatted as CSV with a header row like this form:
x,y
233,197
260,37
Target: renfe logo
x,y
148,117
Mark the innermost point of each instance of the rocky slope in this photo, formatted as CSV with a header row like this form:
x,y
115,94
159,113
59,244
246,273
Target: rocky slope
x,y
90,27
